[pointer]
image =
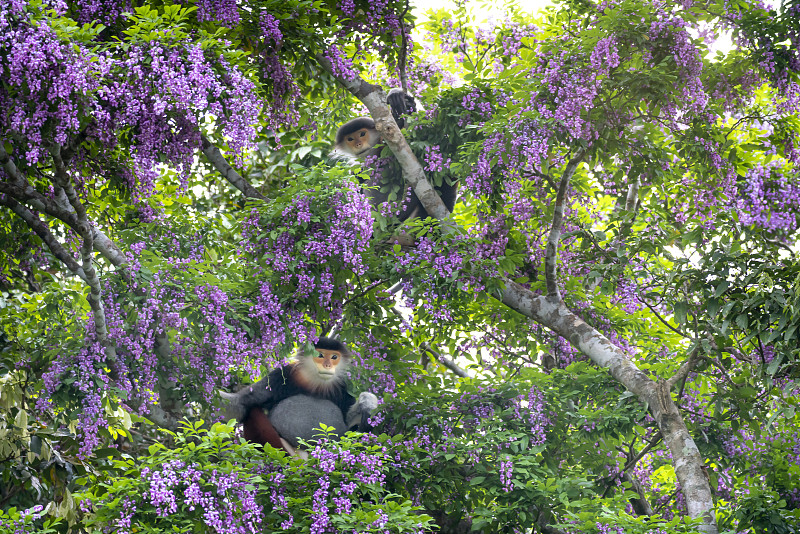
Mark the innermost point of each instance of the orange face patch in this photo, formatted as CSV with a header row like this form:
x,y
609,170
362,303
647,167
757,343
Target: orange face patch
x,y
326,361
361,140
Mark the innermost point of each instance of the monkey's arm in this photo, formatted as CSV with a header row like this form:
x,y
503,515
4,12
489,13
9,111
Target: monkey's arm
x,y
237,405
401,104
358,414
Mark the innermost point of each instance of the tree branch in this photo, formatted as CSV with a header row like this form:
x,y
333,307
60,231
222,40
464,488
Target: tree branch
x,y
652,443
684,369
41,229
219,162
95,297
17,186
551,252
641,505
551,312
444,360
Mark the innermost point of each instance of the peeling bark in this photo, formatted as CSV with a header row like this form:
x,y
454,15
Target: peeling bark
x,y
686,458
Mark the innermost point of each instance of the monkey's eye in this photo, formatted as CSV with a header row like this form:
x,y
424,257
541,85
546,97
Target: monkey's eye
x,y
319,355
334,356
363,134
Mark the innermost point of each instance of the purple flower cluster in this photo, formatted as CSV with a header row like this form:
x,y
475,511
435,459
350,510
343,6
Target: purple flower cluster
x,y
364,467
152,98
224,11
341,65
380,21
48,82
228,502
770,198
507,474
670,32
270,30
434,160
312,262
440,273
86,372
105,11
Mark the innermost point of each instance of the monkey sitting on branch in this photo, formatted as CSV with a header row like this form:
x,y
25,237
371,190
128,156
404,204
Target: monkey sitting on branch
x,y
301,396
358,139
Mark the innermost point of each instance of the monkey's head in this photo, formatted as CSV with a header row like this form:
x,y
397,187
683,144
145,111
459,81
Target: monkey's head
x,y
326,366
357,136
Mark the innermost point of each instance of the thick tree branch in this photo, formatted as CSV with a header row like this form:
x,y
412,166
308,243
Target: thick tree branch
x,y
17,186
551,312
551,252
641,505
632,197
375,99
84,229
219,162
41,229
66,207
686,458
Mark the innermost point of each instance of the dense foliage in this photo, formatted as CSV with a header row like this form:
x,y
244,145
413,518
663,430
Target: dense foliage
x,y
601,338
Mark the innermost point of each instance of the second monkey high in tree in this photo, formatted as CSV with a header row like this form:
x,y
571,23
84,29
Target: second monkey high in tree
x,y
358,139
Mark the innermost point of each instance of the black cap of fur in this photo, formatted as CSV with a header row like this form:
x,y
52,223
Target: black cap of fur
x,y
354,126
328,343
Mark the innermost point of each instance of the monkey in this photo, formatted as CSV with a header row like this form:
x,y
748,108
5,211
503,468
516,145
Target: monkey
x,y
359,139
299,396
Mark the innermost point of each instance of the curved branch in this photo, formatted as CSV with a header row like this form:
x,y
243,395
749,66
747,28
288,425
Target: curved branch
x,y
17,186
95,297
445,361
684,369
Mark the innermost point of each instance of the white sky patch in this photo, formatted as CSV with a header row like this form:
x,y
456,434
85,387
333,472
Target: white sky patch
x,y
482,10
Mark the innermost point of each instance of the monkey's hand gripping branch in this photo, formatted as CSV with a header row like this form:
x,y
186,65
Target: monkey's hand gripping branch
x,y
375,99
358,414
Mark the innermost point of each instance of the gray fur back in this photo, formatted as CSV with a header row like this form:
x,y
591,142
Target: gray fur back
x,y
299,416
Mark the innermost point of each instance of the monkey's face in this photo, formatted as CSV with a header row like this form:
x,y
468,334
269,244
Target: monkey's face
x,y
327,362
361,140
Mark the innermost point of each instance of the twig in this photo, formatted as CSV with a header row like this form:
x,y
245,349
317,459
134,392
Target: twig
x,y
551,253
444,360
684,369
